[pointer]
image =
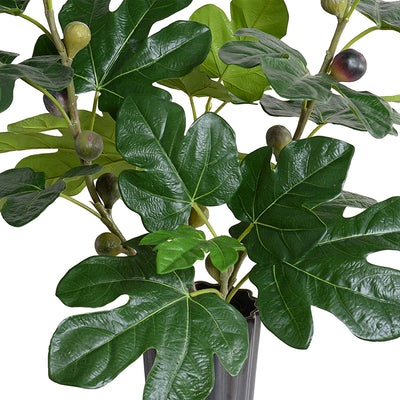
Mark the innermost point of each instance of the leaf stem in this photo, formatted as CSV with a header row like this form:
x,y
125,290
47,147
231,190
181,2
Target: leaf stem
x,y
77,202
192,105
220,107
236,268
94,110
37,23
204,218
231,295
360,36
315,130
246,232
205,291
208,104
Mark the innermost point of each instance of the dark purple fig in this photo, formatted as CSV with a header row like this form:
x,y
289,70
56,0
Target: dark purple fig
x,y
348,66
108,244
107,189
278,137
61,97
195,220
88,145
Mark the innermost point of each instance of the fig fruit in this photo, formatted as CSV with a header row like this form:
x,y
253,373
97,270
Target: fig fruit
x,y
348,66
108,244
195,220
212,269
278,137
61,97
107,189
335,7
76,37
88,145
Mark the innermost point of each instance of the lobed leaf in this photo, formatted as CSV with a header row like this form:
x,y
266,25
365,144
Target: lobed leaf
x,y
386,15
14,7
92,349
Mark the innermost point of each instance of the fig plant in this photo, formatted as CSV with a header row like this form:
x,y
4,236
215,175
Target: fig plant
x,y
286,197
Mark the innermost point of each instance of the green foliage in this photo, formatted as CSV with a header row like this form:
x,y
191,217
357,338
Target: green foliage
x,y
14,7
174,170
80,348
385,14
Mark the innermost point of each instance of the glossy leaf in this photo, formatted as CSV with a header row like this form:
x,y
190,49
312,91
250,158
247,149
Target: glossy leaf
x,y
92,349
181,248
44,71
291,79
120,60
386,15
335,275
269,16
35,133
26,194
14,7
7,57
277,203
177,170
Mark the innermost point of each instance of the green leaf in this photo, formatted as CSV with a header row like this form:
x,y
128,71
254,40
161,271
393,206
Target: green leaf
x,y
386,15
7,57
374,112
277,203
120,60
92,349
14,7
335,275
44,71
35,133
269,16
26,194
291,79
181,248
177,170
198,84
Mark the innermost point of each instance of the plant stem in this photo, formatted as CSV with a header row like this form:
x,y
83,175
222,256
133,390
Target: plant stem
x,y
208,104
237,287
77,202
308,105
360,36
193,108
315,130
236,268
221,107
204,218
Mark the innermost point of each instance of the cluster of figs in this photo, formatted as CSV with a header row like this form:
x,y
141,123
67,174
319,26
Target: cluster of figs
x,y
347,66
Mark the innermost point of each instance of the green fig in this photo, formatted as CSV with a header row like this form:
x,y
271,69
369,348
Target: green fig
x,y
108,244
195,220
76,37
278,137
107,189
88,145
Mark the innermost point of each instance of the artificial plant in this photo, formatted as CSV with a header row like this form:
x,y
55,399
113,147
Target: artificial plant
x,y
286,198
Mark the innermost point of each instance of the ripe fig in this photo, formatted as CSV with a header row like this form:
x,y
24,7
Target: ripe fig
x,y
88,145
278,137
348,66
195,220
61,97
76,36
335,7
108,244
107,189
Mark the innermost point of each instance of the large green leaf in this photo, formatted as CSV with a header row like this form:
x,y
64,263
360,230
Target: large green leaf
x,y
268,16
44,71
181,248
14,7
92,349
386,15
335,275
121,60
277,203
177,170
36,133
26,194
7,57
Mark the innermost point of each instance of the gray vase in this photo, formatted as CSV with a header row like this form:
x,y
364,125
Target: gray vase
x,y
227,387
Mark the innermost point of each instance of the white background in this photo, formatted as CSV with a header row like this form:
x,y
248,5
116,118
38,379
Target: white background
x,y
35,257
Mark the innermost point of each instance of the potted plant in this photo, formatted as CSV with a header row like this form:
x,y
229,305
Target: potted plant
x,y
286,198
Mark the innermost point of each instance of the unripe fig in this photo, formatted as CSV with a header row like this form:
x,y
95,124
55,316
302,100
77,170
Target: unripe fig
x,y
195,220
76,36
61,97
88,145
278,137
108,244
348,66
212,270
335,7
107,189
